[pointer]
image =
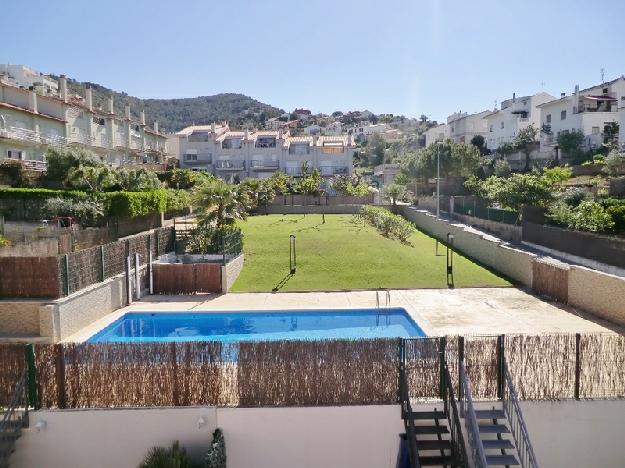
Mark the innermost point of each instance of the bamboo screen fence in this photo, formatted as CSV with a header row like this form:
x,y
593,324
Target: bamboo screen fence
x,y
311,373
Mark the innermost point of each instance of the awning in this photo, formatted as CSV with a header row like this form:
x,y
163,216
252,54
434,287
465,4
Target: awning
x,y
600,98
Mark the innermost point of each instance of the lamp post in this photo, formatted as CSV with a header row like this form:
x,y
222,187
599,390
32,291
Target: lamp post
x,y
292,255
438,180
450,259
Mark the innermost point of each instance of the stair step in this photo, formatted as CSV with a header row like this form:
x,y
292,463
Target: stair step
x,y
428,415
431,430
493,429
501,460
434,444
490,414
497,444
441,460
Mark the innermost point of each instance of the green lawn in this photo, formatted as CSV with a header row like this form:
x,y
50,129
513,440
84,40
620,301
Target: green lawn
x,y
345,254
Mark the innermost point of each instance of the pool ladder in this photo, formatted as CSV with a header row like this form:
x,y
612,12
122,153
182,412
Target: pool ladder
x,y
387,298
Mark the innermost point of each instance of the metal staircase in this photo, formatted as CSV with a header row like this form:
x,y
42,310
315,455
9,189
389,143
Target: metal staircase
x,y
14,419
497,435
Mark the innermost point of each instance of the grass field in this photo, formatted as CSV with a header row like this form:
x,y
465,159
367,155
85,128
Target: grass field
x,y
342,254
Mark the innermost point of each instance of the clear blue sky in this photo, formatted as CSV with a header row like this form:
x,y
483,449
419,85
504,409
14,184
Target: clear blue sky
x,y
405,57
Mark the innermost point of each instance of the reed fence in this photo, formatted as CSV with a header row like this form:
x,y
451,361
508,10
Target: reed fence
x,y
314,373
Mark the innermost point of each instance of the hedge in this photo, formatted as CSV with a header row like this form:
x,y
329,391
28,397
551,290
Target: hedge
x,y
39,194
132,204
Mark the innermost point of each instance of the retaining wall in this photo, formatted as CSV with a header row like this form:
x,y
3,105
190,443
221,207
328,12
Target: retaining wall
x,y
39,248
230,272
599,293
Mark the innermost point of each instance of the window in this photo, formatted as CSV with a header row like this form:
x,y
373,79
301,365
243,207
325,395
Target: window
x,y
563,115
190,157
605,90
548,118
502,125
14,154
595,130
491,129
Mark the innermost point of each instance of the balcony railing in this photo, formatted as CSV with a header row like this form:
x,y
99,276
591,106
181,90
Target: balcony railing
x,y
25,134
81,138
260,165
333,170
230,165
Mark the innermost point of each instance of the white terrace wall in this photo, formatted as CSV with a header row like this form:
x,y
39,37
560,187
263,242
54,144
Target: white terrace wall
x,y
488,250
564,434
599,293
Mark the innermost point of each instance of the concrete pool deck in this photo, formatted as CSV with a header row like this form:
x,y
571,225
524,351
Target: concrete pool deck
x,y
437,311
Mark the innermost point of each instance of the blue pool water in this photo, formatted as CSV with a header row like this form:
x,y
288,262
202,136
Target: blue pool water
x,y
232,327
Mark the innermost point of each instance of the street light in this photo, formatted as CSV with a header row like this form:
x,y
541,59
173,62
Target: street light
x,y
292,256
438,180
450,259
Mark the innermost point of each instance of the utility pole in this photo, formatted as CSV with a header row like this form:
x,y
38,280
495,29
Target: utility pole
x,y
438,181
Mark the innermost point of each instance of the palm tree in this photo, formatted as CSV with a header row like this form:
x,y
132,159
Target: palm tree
x,y
395,193
219,203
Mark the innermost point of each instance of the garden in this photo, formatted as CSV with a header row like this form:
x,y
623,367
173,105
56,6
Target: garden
x,y
343,252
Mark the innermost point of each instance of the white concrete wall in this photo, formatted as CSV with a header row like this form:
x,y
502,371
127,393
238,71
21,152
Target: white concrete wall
x,y
564,434
599,293
331,437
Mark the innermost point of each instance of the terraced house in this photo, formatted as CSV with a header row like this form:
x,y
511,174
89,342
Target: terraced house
x,y
34,117
243,154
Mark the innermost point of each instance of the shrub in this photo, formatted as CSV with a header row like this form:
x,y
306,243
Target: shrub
x,y
615,163
161,457
40,194
390,225
4,242
177,200
216,456
588,216
616,209
132,204
502,168
88,212
573,196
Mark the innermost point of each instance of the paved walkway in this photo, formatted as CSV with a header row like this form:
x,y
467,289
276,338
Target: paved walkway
x,y
437,311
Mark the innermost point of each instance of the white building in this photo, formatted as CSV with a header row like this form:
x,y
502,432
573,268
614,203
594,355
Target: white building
x,y
514,115
31,122
363,131
588,110
334,128
434,134
22,76
463,126
229,154
621,135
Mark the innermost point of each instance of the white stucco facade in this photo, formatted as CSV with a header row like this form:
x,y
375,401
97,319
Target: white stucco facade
x,y
31,122
463,126
588,110
515,114
229,154
434,134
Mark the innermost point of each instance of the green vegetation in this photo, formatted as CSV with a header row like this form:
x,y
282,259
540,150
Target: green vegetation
x,y
388,224
346,185
216,456
39,193
161,457
175,114
4,242
456,159
88,212
220,204
131,204
615,163
396,193
345,253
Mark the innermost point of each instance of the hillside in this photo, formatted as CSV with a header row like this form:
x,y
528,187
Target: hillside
x,y
175,114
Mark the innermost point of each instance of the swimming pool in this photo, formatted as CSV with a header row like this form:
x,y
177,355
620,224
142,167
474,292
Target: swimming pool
x,y
231,327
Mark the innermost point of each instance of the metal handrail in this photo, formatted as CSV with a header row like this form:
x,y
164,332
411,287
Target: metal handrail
x,y
11,416
388,298
453,418
411,436
468,411
512,410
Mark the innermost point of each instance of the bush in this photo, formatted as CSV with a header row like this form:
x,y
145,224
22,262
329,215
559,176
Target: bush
x,y
588,216
132,204
206,239
616,209
216,456
40,194
4,242
390,225
615,163
177,200
161,457
573,196
88,213
502,168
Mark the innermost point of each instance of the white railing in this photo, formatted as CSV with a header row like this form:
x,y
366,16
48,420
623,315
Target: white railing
x,y
81,138
258,164
25,134
230,165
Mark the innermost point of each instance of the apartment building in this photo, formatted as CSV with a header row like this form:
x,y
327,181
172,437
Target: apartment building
x,y
621,135
243,154
22,76
364,130
588,110
514,115
463,126
31,122
434,134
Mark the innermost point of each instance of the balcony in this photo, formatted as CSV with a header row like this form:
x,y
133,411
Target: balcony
x,y
81,138
260,165
293,171
230,166
333,170
24,134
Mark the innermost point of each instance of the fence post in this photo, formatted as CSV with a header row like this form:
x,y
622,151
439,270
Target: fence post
x,y
174,367
150,272
137,282
442,343
460,361
102,275
578,364
158,242
500,360
31,376
66,266
60,376
402,370
128,282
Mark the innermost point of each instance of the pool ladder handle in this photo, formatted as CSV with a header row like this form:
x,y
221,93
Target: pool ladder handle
x,y
388,303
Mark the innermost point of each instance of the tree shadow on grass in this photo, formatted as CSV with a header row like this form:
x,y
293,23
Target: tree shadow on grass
x,y
282,282
309,228
287,220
